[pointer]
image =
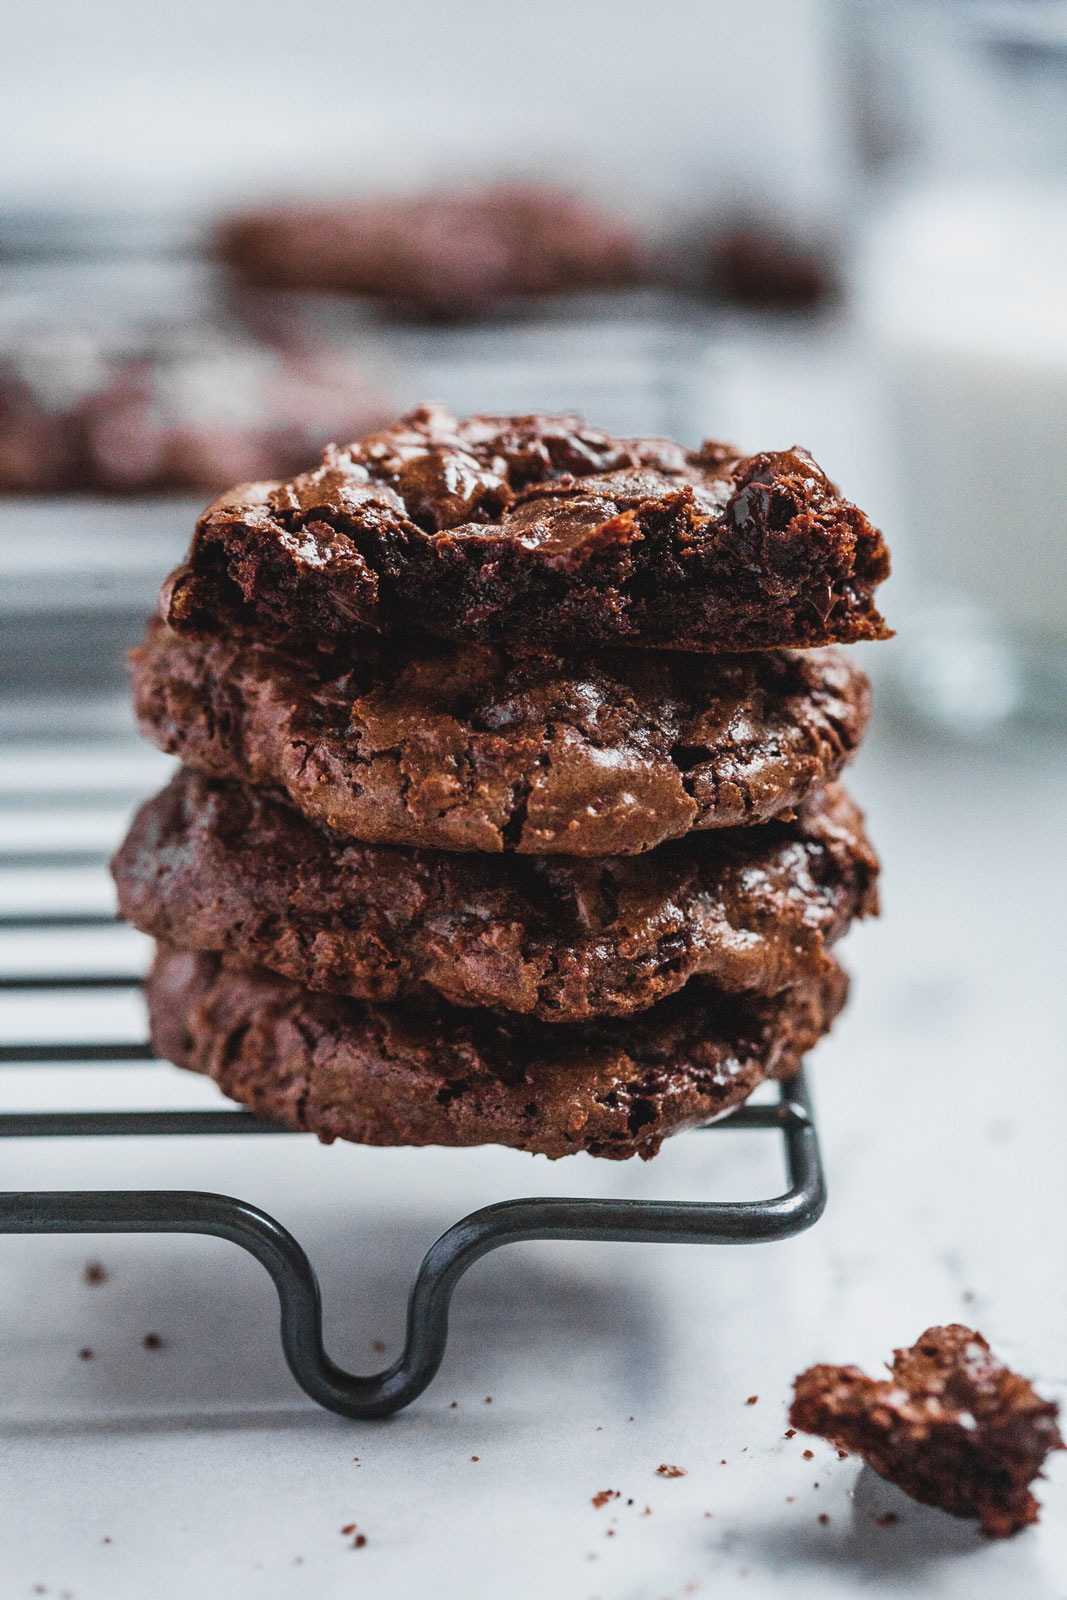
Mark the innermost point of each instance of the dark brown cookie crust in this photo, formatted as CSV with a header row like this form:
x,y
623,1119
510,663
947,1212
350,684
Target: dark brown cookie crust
x,y
468,749
449,253
391,1075
535,532
210,865
953,1427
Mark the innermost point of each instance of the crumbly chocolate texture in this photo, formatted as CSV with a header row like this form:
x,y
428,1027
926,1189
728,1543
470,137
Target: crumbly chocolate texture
x,y
211,865
952,1426
535,532
470,749
449,253
411,1075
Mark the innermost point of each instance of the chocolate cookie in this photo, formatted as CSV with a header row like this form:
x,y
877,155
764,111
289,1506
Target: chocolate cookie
x,y
210,865
753,263
448,253
164,410
535,532
346,1069
952,1426
469,749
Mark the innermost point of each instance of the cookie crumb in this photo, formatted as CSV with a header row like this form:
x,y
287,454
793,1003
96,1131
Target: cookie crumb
x,y
349,1527
604,1496
667,1471
952,1426
475,1458
359,1541
752,1399
488,1399
152,1341
453,1406
790,1433
85,1354
823,1518
95,1273
842,1455
809,1455
886,1520
379,1345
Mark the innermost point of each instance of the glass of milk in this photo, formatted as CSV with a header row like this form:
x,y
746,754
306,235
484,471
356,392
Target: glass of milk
x,y
962,291
965,299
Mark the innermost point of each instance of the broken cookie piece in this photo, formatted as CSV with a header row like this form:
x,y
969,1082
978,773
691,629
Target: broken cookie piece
x,y
952,1426
533,533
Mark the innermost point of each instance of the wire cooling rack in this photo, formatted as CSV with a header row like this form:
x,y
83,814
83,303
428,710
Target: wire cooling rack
x,y
510,1221
78,583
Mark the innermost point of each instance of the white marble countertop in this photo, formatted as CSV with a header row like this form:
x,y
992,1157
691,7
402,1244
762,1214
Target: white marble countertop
x,y
200,1468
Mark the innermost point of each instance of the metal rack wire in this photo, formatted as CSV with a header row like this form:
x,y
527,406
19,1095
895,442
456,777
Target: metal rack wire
x,y
510,1221
639,355
631,365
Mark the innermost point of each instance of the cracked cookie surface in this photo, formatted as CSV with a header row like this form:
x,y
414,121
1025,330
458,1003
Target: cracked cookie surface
x,y
469,749
214,865
535,532
411,1075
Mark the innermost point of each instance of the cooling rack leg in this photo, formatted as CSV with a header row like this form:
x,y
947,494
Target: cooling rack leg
x,y
221,1216
510,1222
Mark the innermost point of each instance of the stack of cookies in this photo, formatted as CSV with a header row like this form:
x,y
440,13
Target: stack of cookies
x,y
508,809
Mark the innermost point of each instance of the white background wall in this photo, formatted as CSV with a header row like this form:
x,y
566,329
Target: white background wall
x,y
194,100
